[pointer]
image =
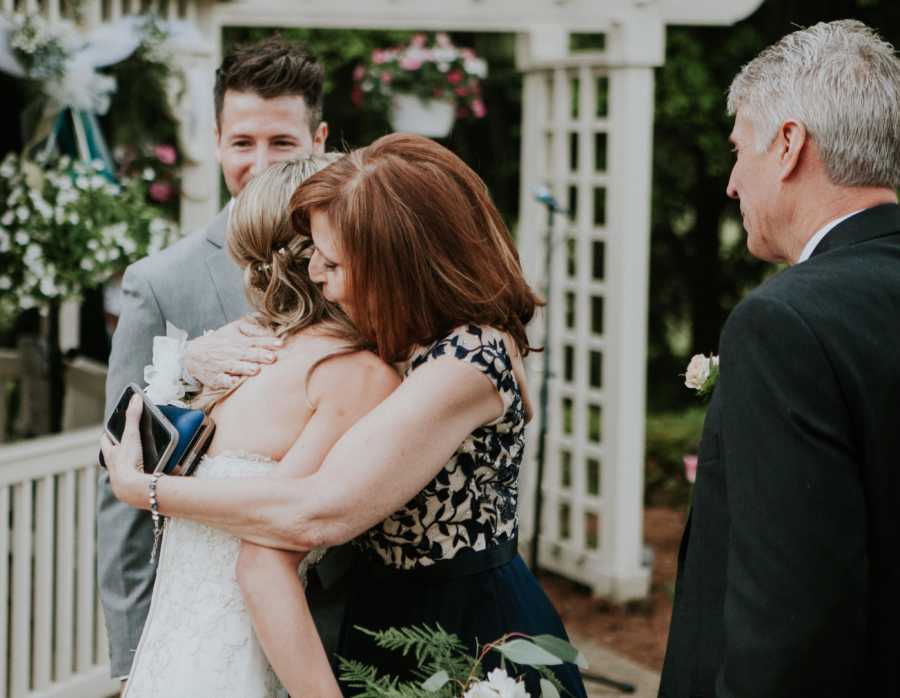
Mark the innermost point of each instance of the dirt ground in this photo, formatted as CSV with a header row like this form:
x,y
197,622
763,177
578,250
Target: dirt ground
x,y
636,630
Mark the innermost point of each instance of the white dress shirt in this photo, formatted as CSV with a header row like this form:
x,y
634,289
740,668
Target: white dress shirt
x,y
814,241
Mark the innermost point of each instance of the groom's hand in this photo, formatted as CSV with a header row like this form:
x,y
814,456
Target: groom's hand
x,y
219,359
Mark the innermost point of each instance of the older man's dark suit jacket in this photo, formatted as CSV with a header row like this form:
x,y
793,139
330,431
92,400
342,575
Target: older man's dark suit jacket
x,y
789,570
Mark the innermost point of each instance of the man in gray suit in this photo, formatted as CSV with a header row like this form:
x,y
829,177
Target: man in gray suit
x,y
268,99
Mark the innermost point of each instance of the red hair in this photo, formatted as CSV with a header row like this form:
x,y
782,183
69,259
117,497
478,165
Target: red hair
x,y
426,248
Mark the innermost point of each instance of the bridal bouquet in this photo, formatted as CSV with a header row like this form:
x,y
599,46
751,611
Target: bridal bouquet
x,y
446,670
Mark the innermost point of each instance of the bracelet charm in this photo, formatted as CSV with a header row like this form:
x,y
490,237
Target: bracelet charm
x,y
154,514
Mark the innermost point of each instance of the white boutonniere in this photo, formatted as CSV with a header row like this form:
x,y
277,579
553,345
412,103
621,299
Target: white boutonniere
x,y
164,376
702,374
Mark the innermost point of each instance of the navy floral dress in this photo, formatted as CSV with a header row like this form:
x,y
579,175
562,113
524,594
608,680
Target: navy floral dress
x,y
449,555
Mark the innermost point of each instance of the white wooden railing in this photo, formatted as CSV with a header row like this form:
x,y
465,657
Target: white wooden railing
x,y
52,636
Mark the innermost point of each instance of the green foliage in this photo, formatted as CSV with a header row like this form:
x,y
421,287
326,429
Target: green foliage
x,y
366,683
669,437
700,268
139,113
445,668
66,228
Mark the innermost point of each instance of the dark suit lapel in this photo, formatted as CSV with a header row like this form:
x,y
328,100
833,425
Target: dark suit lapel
x,y
225,274
872,223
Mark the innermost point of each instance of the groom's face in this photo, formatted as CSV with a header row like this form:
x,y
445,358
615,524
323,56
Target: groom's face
x,y
754,182
255,132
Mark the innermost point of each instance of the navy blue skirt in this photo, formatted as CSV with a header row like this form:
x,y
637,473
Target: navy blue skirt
x,y
478,608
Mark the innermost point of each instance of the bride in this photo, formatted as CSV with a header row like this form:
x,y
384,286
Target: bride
x,y
286,418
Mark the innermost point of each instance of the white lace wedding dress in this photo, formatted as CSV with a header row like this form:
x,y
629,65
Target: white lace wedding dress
x,y
198,641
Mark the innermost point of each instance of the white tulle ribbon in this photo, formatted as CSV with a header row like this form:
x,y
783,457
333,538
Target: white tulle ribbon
x,y
164,376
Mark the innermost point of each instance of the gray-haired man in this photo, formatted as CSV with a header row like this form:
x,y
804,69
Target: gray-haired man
x,y
788,570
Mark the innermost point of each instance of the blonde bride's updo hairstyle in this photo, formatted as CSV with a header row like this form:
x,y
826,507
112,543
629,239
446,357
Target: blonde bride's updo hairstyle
x,y
274,258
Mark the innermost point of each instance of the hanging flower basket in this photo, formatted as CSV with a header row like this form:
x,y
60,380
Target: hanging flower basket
x,y
428,117
422,88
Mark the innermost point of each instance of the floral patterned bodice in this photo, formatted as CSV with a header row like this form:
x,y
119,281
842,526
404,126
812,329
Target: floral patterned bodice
x,y
473,501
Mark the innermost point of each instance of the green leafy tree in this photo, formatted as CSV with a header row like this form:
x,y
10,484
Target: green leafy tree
x,y
700,267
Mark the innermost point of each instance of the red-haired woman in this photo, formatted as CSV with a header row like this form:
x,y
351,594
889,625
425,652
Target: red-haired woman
x,y
410,245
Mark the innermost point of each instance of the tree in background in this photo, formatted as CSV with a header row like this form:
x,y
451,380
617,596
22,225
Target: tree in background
x,y
700,268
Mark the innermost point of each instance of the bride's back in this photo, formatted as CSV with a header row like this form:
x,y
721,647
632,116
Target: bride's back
x,y
267,413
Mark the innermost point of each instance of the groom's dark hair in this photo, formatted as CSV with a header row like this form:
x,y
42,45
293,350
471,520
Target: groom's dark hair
x,y
272,68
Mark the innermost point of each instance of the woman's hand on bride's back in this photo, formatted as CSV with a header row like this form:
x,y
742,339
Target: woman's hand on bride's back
x,y
219,359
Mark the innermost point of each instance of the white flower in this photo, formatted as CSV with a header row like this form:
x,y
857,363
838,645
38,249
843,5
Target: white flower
x,y
114,232
74,218
481,689
82,182
5,283
5,245
498,685
23,214
32,254
48,288
8,218
97,182
22,237
7,169
163,377
698,371
444,55
87,264
148,174
476,67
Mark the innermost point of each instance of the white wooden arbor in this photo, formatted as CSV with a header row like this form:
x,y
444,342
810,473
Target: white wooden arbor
x,y
587,135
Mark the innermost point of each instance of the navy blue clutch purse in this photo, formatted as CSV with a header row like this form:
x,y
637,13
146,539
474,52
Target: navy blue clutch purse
x,y
173,439
195,429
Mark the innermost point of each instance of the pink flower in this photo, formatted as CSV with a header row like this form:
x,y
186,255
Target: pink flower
x,y
161,191
478,109
166,154
461,91
411,63
454,77
467,54
443,40
418,41
690,466
386,78
379,56
359,72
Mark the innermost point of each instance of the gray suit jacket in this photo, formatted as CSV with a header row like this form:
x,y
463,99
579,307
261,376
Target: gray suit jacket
x,y
196,286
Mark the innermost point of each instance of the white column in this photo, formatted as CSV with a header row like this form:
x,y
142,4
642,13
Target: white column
x,y
636,47
195,110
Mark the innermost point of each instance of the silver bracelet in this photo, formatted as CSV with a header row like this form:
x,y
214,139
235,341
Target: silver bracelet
x,y
154,514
